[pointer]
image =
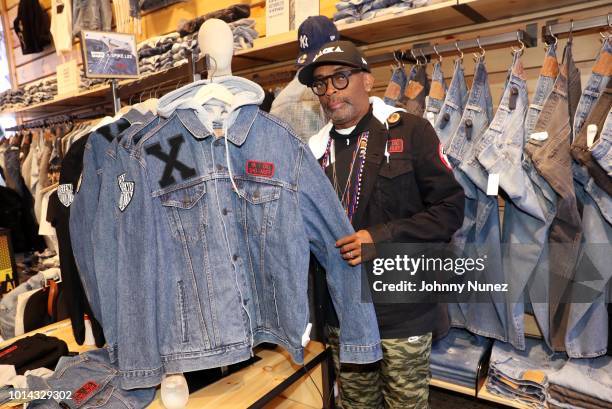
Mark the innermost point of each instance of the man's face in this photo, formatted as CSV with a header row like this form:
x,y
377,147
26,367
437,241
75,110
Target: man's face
x,y
347,106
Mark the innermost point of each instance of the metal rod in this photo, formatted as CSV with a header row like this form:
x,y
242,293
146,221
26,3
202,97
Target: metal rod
x,y
563,29
116,98
485,42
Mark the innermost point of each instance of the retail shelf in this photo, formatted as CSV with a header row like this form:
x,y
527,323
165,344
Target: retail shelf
x,y
482,393
500,9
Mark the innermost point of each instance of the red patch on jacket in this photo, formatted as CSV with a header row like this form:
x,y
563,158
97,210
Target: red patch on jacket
x,y
257,168
396,145
85,391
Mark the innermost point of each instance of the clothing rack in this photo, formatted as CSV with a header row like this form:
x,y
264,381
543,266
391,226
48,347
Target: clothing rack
x,y
41,123
562,30
520,37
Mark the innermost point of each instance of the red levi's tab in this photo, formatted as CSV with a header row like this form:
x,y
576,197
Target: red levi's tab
x,y
257,168
8,350
85,391
396,145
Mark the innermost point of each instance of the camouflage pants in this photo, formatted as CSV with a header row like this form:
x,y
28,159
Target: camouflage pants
x,y
399,381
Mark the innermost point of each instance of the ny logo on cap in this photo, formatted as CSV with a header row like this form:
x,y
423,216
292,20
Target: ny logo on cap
x,y
303,41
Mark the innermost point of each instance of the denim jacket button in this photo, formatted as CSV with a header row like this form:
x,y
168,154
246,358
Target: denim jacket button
x,y
224,211
235,257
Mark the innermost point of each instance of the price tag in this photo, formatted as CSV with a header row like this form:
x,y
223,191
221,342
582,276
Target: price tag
x,y
493,184
591,134
539,136
68,78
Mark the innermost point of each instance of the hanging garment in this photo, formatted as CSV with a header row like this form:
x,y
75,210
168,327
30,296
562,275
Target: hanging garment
x,y
32,27
248,284
602,149
416,92
61,25
59,217
544,86
525,226
487,319
395,88
550,154
600,75
437,94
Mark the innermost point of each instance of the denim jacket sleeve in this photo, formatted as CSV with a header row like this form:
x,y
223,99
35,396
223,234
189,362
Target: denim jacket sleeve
x,y
80,211
325,222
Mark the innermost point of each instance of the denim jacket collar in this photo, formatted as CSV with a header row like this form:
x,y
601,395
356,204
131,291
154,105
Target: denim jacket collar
x,y
236,134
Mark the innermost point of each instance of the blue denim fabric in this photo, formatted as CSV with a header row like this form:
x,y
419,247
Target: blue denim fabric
x,y
8,304
396,87
437,94
83,207
544,86
222,252
525,223
455,357
587,333
93,381
453,106
602,149
600,75
101,229
592,377
487,319
91,15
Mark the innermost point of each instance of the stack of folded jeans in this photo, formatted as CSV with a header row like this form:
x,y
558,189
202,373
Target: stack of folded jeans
x,y
581,383
11,98
522,375
350,11
162,53
244,33
455,358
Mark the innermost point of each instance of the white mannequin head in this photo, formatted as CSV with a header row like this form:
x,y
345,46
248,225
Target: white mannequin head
x,y
216,40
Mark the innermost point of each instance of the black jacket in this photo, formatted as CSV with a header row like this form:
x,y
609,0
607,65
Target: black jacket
x,y
411,198
32,27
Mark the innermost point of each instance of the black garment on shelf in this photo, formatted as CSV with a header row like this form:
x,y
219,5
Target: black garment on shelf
x,y
37,314
32,27
59,216
230,14
37,351
16,215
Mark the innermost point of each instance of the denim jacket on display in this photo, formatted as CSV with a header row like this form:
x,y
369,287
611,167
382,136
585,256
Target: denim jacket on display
x,y
214,239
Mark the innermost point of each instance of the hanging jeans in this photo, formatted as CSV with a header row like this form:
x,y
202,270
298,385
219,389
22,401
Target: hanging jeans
x,y
487,319
525,224
437,94
551,157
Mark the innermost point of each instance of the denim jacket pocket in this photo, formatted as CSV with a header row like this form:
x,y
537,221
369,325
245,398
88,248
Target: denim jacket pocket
x,y
186,211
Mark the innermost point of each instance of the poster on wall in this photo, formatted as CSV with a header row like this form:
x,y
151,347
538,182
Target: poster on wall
x,y
109,55
287,15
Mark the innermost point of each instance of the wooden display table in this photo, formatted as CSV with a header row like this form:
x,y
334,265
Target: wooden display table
x,y
272,382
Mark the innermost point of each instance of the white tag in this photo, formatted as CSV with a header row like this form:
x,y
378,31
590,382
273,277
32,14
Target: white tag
x,y
539,136
493,184
306,335
431,117
591,134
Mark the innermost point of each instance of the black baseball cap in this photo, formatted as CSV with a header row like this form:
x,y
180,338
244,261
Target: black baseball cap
x,y
312,34
334,53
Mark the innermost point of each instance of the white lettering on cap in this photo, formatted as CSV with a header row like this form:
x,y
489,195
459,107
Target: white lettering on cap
x,y
327,50
303,41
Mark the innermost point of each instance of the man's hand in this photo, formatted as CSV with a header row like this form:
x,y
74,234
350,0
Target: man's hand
x,y
350,246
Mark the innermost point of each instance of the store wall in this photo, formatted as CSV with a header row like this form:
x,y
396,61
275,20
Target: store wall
x,y
33,67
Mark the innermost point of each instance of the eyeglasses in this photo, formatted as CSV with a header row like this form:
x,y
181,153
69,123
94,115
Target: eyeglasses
x,y
340,80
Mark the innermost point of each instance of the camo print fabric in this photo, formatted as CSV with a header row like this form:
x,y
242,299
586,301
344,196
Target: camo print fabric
x,y
399,381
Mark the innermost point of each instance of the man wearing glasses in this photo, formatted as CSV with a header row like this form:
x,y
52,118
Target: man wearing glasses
x,y
396,186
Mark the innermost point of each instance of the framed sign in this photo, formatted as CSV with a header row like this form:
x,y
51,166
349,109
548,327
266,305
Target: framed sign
x,y
109,55
8,271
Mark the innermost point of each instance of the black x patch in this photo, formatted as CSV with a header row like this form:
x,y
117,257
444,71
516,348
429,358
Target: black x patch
x,y
171,160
